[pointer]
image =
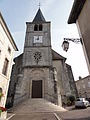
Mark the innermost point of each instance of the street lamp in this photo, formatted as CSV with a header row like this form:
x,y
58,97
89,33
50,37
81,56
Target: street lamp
x,y
65,44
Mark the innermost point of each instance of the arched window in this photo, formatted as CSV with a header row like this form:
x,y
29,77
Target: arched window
x,y
36,28
40,27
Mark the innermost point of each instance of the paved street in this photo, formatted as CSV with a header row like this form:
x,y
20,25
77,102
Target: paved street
x,y
36,109
43,110
34,116
75,114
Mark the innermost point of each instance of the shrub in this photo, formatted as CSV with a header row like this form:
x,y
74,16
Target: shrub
x,y
71,99
2,109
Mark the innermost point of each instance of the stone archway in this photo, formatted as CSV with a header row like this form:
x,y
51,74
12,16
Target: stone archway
x,y
37,83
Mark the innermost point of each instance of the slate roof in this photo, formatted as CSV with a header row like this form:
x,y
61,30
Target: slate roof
x,y
39,17
19,57
76,10
56,56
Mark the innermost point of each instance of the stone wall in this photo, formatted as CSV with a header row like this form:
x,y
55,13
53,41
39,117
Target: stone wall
x,y
16,78
84,30
65,82
83,87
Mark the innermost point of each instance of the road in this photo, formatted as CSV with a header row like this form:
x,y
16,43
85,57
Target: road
x,y
44,110
75,114
34,116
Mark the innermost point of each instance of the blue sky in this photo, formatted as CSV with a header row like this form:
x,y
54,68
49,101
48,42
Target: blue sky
x,y
17,12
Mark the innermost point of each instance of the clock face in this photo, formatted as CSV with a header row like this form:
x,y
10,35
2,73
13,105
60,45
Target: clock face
x,y
38,39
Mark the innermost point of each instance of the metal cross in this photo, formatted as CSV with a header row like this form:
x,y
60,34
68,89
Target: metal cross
x,y
39,5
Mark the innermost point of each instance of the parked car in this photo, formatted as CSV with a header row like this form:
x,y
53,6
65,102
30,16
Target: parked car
x,y
81,102
88,99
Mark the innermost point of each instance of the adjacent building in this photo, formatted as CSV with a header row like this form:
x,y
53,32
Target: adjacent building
x,y
80,14
83,87
7,48
40,72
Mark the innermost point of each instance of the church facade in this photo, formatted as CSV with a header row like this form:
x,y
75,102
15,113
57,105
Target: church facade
x,y
40,72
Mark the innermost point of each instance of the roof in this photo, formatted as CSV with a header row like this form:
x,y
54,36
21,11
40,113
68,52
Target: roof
x,y
56,56
19,56
39,17
76,9
3,23
83,78
19,59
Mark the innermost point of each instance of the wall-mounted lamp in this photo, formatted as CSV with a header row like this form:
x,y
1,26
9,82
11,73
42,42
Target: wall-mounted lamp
x,y
65,44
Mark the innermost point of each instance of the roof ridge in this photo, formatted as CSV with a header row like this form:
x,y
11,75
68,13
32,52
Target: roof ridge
x,y
57,56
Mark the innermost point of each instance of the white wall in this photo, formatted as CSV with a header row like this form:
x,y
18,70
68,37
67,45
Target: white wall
x,y
4,80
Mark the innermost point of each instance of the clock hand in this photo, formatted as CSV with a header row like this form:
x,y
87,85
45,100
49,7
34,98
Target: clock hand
x,y
38,38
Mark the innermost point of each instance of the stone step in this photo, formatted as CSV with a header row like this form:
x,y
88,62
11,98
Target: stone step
x,y
36,105
34,116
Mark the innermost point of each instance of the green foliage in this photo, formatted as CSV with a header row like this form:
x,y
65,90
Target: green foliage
x,y
1,95
0,112
70,100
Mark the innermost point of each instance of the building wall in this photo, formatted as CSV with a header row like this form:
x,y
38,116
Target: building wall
x,y
58,82
57,64
44,48
39,74
46,33
65,81
6,52
21,83
61,77
84,30
16,78
83,87
71,81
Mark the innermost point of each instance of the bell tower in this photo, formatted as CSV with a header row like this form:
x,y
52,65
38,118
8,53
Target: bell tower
x,y
37,65
37,49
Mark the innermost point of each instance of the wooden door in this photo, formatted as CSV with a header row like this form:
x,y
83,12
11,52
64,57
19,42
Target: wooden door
x,y
37,89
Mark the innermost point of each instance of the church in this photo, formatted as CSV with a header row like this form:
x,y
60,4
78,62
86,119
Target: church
x,y
40,72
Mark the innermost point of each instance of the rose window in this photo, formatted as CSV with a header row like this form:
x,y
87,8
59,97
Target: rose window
x,y
37,56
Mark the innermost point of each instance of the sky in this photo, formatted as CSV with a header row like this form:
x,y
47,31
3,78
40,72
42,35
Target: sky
x,y
17,12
